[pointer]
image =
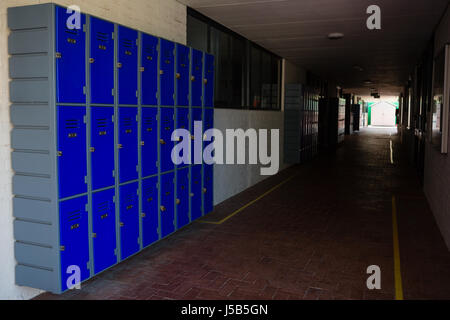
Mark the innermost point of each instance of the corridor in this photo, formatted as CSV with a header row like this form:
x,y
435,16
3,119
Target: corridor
x,y
311,234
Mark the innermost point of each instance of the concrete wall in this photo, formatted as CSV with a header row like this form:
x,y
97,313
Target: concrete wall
x,y
437,166
164,18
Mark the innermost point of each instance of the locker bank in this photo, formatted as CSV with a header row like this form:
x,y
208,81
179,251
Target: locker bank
x,y
93,111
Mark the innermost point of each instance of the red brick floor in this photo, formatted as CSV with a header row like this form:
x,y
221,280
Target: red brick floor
x,y
313,238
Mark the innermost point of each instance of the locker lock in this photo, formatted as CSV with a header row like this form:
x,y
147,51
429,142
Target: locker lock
x,y
92,149
122,224
62,248
161,71
120,146
178,76
119,65
143,215
205,81
161,141
142,143
163,208
192,194
178,201
204,190
141,69
59,153
192,78
58,55
91,60
94,235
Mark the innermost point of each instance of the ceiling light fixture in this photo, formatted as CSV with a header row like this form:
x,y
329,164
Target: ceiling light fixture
x,y
335,36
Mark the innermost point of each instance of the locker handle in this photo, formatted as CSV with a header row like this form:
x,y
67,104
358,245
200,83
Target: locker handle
x,y
205,81
163,208
178,201
178,76
58,55
192,194
119,65
91,60
120,146
122,224
94,235
143,215
60,153
62,248
92,149
204,190
192,78
161,71
142,143
161,141
141,69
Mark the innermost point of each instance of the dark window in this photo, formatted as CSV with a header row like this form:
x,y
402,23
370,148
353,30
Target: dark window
x,y
246,75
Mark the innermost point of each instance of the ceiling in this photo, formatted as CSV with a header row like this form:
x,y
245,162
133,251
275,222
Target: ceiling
x,y
297,30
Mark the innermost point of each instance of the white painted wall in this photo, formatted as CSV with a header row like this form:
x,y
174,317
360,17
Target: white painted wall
x,y
164,18
383,114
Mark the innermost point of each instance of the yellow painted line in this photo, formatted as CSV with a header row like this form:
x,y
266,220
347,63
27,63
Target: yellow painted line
x,y
397,270
250,203
392,153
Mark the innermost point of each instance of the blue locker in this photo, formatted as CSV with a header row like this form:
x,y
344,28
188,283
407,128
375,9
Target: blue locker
x,y
70,59
182,75
196,116
74,238
209,80
129,220
150,221
149,70
102,147
167,70
166,143
149,143
104,229
102,61
127,66
167,204
196,78
182,123
182,202
196,192
128,144
72,160
208,193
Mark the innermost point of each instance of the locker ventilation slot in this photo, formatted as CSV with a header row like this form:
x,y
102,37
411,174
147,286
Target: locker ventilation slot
x,y
102,123
74,215
72,124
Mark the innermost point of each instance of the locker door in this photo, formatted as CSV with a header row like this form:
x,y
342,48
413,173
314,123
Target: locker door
x,y
150,211
70,60
74,238
102,61
182,123
209,80
167,70
182,201
182,75
196,78
72,151
128,144
127,66
149,71
129,219
104,229
167,204
149,143
166,144
208,171
196,192
102,147
196,116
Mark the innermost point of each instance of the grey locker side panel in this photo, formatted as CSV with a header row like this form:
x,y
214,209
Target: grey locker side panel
x,y
35,210
33,139
30,115
36,278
